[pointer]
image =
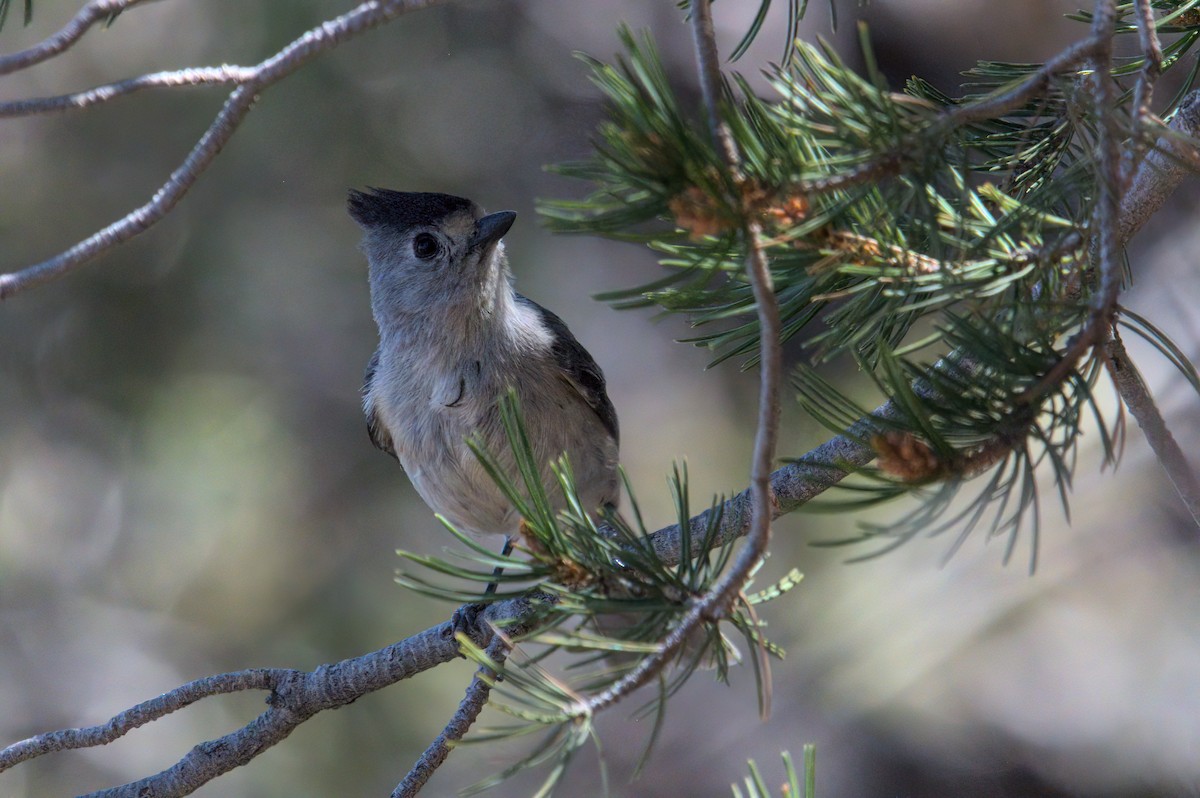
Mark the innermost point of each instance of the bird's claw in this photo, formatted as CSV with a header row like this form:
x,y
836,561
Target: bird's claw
x,y
464,619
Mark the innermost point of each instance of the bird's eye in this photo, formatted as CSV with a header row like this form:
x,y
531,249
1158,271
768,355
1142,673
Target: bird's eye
x,y
425,246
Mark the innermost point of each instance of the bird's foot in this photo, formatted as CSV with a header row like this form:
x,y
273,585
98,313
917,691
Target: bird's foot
x,y
464,619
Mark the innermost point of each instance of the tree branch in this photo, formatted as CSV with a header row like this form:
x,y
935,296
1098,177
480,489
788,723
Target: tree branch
x,y
64,39
472,704
365,16
717,601
1143,90
1136,396
76,101
295,696
1173,157
987,107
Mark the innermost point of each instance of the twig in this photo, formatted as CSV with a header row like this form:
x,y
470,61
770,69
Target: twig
x,y
1105,222
366,15
717,601
1174,156
143,713
1137,398
73,31
983,108
1143,90
295,697
468,710
76,101
792,486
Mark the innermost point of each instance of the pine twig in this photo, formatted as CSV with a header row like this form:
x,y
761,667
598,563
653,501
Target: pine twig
x,y
1136,396
1173,158
295,696
224,75
716,602
989,107
468,711
329,34
92,13
1143,90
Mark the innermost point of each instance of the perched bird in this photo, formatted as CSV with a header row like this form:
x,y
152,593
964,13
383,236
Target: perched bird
x,y
453,337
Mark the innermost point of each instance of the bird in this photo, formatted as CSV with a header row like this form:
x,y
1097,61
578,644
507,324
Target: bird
x,y
455,336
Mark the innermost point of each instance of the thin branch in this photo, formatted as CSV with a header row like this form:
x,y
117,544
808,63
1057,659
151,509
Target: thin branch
x,y
468,711
716,602
988,107
1106,226
792,486
1174,156
295,697
1143,90
140,715
1105,222
329,34
73,31
1136,396
76,101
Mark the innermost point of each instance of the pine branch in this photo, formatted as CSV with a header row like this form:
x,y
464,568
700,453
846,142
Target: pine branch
x,y
1143,90
295,696
363,17
468,711
978,109
1174,156
1136,396
717,601
94,12
77,101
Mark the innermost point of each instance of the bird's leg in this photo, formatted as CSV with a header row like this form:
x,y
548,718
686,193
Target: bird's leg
x,y
464,617
499,570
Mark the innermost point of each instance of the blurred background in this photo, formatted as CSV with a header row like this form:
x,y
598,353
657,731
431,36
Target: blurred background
x,y
187,487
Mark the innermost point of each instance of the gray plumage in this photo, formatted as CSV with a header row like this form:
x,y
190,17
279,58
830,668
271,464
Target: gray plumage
x,y
454,336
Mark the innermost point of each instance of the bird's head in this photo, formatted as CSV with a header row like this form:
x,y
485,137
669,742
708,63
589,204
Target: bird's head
x,y
430,253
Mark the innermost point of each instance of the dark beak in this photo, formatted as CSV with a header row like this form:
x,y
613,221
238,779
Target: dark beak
x,y
492,228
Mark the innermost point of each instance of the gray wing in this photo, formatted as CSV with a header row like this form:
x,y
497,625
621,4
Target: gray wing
x,y
379,434
578,367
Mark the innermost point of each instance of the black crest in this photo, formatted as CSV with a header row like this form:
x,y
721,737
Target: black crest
x,y
378,207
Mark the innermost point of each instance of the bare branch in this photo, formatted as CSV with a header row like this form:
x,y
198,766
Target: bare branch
x,y
472,704
365,16
140,715
1143,90
1106,227
1137,398
73,31
1174,156
76,101
295,697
